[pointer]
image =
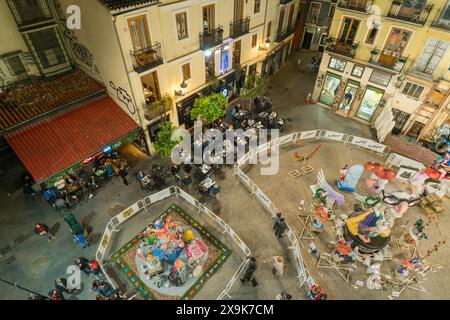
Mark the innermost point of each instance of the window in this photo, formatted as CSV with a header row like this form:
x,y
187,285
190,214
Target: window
x,y
254,40
186,68
257,7
348,30
269,29
357,71
140,36
412,89
337,64
431,56
15,65
182,27
372,34
380,78
47,47
29,11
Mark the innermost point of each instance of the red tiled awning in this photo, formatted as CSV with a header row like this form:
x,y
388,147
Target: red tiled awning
x,y
53,144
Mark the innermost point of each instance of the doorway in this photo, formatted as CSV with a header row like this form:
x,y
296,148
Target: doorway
x,y
237,52
307,39
394,46
291,16
238,10
280,21
329,89
208,17
150,86
369,103
209,67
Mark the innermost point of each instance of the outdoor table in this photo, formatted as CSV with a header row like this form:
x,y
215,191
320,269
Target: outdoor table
x,y
205,168
207,183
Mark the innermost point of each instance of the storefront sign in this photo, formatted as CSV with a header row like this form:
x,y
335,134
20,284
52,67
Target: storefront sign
x,y
333,135
308,134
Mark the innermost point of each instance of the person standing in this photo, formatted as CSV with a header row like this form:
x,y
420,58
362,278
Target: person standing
x,y
95,268
61,285
279,227
278,266
43,230
56,295
83,264
283,296
123,174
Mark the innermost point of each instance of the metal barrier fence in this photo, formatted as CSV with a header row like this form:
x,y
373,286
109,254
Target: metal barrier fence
x,y
113,226
304,276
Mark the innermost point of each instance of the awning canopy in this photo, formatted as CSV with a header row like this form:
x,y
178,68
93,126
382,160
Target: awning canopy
x,y
58,142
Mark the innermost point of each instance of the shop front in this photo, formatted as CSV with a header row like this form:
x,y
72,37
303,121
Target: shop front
x,y
275,59
369,103
229,86
330,88
57,146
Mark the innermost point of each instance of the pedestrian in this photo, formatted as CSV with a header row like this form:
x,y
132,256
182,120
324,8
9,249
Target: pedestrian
x,y
123,174
102,288
61,285
80,239
43,230
252,263
83,264
95,268
283,296
279,227
278,266
56,295
248,276
277,219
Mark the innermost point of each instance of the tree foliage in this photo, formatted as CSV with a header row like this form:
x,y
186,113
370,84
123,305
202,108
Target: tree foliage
x,y
164,143
209,108
255,86
160,106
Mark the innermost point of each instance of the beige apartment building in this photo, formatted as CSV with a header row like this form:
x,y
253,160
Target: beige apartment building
x,y
395,52
146,50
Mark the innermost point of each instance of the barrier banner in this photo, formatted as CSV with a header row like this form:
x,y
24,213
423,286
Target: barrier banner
x,y
399,161
286,139
336,136
360,142
239,242
266,202
308,134
244,177
186,196
377,147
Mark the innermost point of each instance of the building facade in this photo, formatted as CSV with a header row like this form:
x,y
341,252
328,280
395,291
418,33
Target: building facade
x,y
393,52
319,15
151,50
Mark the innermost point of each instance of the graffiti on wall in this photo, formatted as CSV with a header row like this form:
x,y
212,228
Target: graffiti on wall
x,y
320,80
80,51
123,97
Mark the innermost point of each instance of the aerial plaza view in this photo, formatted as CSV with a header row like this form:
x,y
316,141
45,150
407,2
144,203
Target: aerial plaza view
x,y
231,150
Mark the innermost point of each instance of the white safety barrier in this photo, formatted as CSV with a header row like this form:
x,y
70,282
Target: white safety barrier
x,y
143,205
397,160
304,275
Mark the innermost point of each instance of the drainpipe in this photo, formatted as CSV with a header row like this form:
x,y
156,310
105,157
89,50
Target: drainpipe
x,y
138,108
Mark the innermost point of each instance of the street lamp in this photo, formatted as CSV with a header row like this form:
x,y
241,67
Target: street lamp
x,y
182,92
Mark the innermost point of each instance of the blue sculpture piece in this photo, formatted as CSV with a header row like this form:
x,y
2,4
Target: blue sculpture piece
x,y
351,179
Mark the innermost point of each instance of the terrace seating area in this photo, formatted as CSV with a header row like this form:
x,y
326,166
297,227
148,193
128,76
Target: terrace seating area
x,y
25,101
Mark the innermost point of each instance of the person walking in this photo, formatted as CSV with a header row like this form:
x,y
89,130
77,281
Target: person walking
x,y
283,296
279,227
56,295
83,264
102,288
43,230
278,266
80,239
123,174
61,285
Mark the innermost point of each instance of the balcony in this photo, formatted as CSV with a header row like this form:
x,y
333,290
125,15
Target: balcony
x,y
211,38
412,15
29,13
355,5
239,27
311,19
439,22
340,47
283,34
387,61
147,58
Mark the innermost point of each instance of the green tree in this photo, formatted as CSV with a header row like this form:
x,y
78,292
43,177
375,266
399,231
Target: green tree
x,y
209,108
159,107
255,86
164,144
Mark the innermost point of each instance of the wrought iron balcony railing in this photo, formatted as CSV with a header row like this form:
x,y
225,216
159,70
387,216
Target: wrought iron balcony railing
x,y
147,58
439,21
239,27
355,5
211,38
283,34
341,47
387,61
411,14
